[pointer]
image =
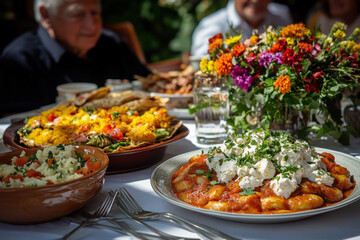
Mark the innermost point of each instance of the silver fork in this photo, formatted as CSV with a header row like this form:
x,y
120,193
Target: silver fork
x,y
102,211
162,234
126,201
124,228
121,225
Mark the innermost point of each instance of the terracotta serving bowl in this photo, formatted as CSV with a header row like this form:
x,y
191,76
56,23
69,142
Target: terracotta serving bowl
x,y
31,205
119,162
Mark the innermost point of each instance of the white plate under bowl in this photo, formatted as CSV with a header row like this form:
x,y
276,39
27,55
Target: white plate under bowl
x,y
161,183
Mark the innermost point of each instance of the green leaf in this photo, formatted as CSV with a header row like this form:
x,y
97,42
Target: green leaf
x,y
269,81
335,88
214,182
247,192
115,115
194,109
161,133
274,94
234,62
306,65
260,98
61,147
199,172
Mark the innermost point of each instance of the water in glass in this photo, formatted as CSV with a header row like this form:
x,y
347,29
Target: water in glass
x,y
213,110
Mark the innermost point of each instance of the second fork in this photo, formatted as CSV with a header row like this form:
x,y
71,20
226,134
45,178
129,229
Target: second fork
x,y
157,231
134,210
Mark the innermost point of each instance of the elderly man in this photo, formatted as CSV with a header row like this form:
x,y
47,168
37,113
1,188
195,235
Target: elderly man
x,y
68,46
243,16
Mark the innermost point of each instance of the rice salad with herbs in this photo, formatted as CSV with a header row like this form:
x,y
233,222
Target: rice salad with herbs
x,y
52,165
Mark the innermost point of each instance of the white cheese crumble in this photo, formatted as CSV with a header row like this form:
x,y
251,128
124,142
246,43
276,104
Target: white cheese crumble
x,y
226,169
261,154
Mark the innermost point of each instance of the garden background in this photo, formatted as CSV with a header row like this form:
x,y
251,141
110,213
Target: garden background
x,y
164,27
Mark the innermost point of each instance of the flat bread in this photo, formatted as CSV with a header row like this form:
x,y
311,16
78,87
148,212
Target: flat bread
x,y
116,99
86,97
141,105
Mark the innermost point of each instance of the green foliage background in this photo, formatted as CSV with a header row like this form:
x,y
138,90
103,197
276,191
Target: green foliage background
x,y
164,27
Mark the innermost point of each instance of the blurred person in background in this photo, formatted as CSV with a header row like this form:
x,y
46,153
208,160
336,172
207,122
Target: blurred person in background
x,y
331,11
242,15
69,45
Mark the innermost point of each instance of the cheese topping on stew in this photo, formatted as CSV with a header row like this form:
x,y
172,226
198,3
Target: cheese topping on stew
x,y
258,155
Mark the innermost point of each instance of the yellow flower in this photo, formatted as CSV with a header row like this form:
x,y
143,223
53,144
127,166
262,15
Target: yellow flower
x,y
283,83
290,41
349,46
352,46
232,40
339,34
211,66
328,41
204,64
339,26
271,38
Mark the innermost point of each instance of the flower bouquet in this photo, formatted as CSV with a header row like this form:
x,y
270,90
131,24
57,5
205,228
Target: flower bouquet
x,y
288,77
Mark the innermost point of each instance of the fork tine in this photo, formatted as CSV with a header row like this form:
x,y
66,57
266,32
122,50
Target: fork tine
x,y
123,204
131,208
105,208
102,211
130,201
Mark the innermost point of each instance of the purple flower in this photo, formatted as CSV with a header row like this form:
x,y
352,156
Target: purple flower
x,y
316,49
241,77
267,58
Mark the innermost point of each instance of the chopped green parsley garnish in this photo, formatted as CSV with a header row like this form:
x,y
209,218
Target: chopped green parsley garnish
x,y
247,192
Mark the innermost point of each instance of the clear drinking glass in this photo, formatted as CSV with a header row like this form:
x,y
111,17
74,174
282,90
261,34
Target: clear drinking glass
x,y
211,98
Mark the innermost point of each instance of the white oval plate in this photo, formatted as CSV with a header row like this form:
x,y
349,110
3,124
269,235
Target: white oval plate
x,y
161,183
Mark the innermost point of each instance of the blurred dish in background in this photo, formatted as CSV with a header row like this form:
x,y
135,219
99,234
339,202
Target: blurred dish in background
x,y
172,82
175,86
69,91
118,85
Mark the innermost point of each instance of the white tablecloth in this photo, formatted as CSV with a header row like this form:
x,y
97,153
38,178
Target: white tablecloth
x,y
340,224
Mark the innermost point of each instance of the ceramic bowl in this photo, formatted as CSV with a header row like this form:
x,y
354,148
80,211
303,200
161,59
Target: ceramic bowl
x,y
30,205
119,162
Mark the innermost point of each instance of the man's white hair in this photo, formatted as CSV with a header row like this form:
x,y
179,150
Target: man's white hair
x,y
51,6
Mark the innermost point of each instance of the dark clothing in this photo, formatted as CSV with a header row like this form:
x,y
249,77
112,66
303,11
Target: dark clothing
x,y
34,64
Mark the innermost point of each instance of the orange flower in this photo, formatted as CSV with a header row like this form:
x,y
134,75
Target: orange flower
x,y
283,83
216,36
254,39
223,65
279,46
294,30
238,49
216,44
305,46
